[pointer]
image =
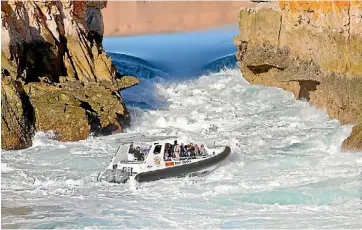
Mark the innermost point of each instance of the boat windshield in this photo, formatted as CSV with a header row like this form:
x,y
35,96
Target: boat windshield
x,y
121,154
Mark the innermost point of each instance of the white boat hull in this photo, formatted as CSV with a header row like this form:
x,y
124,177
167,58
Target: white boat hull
x,y
183,169
156,164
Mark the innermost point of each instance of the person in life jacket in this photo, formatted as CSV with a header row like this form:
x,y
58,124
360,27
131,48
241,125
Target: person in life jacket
x,y
94,22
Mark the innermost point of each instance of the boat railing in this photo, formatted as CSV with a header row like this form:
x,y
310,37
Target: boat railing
x,y
186,158
131,162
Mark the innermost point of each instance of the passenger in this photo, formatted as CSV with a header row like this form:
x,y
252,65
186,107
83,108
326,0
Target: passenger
x,y
137,154
176,150
203,150
192,150
168,151
197,151
131,149
186,150
182,150
172,147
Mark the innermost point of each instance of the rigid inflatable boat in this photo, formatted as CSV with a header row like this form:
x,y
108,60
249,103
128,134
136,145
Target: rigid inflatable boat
x,y
153,161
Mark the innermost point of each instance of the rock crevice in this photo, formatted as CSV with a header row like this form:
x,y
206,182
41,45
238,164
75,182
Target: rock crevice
x,y
263,68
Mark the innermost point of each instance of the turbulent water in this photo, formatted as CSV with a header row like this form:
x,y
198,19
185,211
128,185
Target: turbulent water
x,y
285,170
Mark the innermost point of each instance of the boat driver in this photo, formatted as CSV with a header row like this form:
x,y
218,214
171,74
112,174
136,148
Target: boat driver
x,y
131,149
137,154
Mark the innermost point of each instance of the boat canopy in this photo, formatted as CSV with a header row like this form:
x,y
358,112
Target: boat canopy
x,y
134,138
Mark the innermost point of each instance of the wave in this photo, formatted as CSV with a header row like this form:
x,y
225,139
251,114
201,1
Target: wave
x,y
131,65
222,63
152,73
145,69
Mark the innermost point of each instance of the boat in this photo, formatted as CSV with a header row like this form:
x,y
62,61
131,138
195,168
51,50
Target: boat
x,y
153,161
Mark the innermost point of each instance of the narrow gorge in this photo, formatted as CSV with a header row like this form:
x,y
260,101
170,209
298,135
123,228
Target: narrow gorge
x,y
284,108
313,49
54,76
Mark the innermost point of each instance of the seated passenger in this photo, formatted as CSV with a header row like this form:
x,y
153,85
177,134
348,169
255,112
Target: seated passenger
x,y
197,151
168,151
137,154
182,150
203,151
192,150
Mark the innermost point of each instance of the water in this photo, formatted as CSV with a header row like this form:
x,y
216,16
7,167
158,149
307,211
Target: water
x,y
285,170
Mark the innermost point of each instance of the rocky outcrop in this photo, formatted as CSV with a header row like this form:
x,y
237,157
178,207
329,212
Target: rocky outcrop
x,y
54,77
313,49
17,115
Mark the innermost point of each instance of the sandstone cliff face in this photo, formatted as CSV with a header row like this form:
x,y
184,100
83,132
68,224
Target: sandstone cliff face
x,y
53,78
17,115
313,49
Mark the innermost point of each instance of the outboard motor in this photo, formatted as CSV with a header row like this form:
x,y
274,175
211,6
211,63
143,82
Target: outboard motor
x,y
116,175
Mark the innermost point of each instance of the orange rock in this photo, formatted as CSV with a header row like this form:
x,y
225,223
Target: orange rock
x,y
42,43
311,48
79,10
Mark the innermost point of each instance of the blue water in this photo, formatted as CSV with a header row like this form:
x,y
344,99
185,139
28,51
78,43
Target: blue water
x,y
170,58
180,55
286,169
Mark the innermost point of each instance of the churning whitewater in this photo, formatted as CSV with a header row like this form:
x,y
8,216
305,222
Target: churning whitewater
x,y
285,169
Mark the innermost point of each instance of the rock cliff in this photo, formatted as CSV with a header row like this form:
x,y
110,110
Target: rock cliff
x,y
53,75
311,48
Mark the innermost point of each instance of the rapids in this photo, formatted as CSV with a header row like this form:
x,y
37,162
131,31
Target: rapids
x,y
285,170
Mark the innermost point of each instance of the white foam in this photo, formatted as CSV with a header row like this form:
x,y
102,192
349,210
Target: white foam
x,y
285,163
46,139
5,168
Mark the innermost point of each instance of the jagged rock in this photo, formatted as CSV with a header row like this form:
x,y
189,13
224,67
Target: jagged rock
x,y
354,141
313,49
73,110
46,51
17,116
